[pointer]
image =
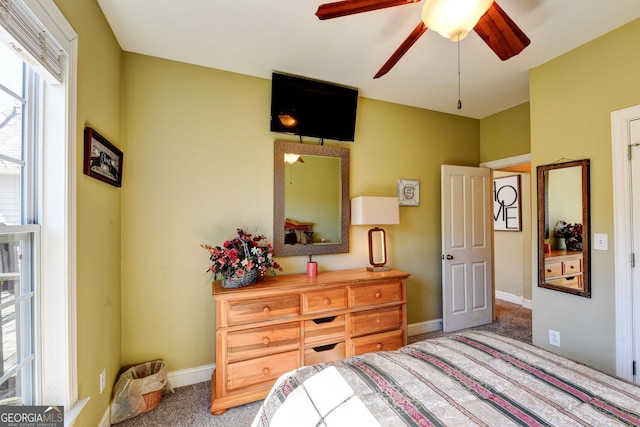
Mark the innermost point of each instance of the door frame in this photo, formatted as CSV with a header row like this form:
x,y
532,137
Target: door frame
x,y
622,239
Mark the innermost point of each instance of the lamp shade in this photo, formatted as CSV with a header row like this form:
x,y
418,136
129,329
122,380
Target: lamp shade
x,y
451,18
373,210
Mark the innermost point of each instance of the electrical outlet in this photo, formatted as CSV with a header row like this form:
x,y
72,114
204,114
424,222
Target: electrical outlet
x,y
554,338
600,241
103,380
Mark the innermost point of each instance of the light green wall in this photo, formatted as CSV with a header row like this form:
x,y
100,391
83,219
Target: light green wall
x,y
572,98
199,164
98,209
505,134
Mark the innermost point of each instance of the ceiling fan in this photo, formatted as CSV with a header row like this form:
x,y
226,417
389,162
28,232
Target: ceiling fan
x,y
448,17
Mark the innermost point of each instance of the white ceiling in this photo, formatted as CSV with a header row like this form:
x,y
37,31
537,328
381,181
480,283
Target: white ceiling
x,y
256,37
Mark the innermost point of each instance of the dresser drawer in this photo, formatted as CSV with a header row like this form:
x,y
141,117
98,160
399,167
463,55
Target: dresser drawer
x,y
325,329
324,353
372,321
552,269
572,266
262,371
574,282
325,300
258,342
259,310
385,341
363,296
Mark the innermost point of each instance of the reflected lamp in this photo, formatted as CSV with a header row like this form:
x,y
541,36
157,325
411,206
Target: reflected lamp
x,y
373,210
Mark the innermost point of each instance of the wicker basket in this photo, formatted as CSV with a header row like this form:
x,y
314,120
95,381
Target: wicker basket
x,y
249,278
151,400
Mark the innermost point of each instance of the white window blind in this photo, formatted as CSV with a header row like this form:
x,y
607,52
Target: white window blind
x,y
26,35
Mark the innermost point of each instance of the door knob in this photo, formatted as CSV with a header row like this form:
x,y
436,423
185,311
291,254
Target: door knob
x,y
447,256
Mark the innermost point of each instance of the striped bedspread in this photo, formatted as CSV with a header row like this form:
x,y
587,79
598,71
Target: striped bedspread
x,y
466,379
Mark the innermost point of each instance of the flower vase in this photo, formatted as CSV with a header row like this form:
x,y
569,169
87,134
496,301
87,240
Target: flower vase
x,y
561,244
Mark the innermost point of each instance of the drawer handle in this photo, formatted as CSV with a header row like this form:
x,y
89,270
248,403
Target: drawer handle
x,y
327,301
378,294
266,309
266,371
266,341
548,270
324,347
571,267
379,346
324,320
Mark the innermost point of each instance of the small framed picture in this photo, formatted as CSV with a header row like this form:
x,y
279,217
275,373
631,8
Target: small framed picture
x,y
409,192
102,159
506,204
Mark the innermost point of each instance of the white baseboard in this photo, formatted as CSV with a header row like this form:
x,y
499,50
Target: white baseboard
x,y
105,421
515,299
190,376
424,327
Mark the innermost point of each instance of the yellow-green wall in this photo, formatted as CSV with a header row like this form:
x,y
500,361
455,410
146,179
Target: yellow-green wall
x,y
572,98
505,134
98,209
199,164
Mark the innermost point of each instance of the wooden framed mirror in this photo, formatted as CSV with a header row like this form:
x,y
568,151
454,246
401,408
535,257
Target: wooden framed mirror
x,y
564,243
312,211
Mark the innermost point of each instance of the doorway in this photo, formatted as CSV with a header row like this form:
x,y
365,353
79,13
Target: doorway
x,y
513,257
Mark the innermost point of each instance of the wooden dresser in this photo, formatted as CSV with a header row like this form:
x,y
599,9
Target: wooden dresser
x,y
563,268
288,321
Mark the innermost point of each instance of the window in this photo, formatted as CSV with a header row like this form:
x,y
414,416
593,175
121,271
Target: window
x,y
39,362
19,120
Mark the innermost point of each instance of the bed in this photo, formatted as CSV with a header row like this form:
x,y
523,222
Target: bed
x,y
464,379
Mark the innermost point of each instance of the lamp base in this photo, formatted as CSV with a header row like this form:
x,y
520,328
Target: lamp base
x,y
376,269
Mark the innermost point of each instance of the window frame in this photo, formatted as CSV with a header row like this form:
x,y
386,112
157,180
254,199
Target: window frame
x,y
56,304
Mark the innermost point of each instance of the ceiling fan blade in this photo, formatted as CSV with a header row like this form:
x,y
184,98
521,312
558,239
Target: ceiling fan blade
x,y
349,7
402,49
500,33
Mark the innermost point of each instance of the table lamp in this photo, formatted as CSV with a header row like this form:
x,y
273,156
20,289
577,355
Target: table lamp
x,y
373,210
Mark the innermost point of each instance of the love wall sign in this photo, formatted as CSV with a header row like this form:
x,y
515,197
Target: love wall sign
x,y
506,204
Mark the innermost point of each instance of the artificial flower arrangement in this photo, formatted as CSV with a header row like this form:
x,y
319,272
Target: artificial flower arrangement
x,y
571,233
239,260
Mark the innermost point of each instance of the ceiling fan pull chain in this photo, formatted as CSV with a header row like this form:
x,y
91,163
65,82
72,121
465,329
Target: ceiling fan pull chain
x,y
459,106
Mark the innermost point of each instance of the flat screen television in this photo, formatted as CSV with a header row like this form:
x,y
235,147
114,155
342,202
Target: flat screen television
x,y
306,107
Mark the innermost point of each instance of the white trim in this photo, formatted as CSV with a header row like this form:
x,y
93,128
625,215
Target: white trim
x,y
190,376
424,327
71,414
507,161
515,299
512,298
622,239
105,421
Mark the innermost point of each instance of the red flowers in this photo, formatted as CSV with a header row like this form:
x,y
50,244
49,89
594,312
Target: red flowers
x,y
241,255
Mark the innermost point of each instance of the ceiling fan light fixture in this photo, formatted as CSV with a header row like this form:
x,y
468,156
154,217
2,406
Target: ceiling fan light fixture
x,y
454,19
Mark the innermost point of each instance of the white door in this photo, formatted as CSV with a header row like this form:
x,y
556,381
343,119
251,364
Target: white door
x,y
467,278
634,136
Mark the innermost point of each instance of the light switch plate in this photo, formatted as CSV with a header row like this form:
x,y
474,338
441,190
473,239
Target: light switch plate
x,y
600,241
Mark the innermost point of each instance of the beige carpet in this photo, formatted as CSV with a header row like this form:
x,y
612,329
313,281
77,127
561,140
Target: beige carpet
x,y
189,406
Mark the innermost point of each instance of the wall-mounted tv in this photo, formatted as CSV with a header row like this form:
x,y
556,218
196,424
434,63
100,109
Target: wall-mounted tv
x,y
306,107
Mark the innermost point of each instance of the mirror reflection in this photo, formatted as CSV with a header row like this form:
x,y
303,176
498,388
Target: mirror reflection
x,y
563,223
312,200
311,204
